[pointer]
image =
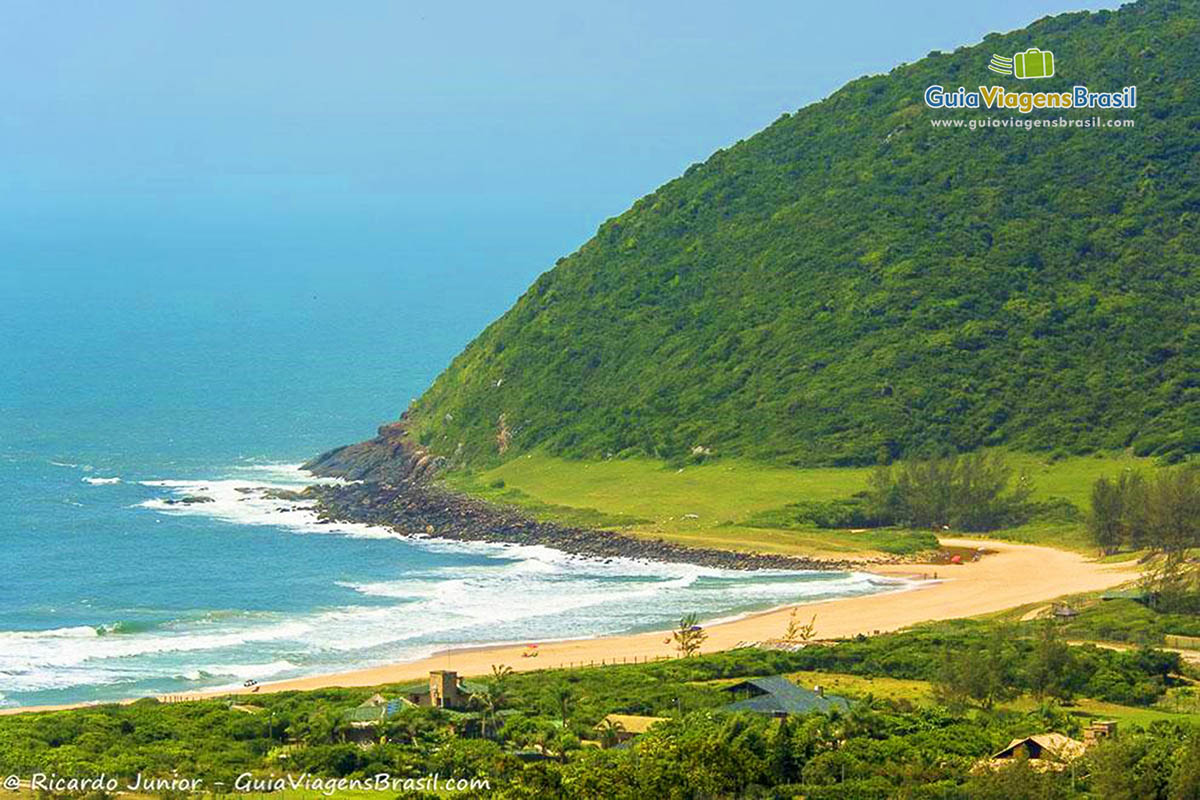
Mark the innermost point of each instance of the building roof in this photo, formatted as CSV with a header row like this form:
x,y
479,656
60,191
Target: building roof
x,y
776,694
374,709
365,714
1046,746
631,723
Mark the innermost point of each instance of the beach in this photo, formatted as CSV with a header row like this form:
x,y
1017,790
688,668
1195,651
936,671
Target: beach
x,y
1010,575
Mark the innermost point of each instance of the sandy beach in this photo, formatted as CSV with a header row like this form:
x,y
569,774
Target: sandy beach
x,y
1011,575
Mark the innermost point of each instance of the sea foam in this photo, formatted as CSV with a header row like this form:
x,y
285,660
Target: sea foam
x,y
499,593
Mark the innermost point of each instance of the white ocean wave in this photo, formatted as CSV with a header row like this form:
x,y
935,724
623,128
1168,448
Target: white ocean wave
x,y
22,651
239,671
518,593
101,481
7,638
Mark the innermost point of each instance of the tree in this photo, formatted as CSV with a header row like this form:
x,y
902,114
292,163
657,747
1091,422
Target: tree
x,y
610,732
970,492
492,697
1167,520
1018,780
983,674
1161,513
1050,670
781,756
560,697
1107,520
689,636
323,726
798,633
1185,778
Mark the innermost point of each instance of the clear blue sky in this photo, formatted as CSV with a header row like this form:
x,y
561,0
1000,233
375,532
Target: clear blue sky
x,y
441,133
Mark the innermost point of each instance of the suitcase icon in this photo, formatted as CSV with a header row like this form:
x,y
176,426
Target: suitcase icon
x,y
1033,63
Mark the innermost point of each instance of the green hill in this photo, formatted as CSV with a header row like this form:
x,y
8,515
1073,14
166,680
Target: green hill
x,y
853,284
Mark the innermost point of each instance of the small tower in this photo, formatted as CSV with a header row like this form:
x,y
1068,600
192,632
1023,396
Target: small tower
x,y
443,689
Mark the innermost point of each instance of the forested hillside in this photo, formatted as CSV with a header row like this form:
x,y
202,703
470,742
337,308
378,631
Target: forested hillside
x,y
853,284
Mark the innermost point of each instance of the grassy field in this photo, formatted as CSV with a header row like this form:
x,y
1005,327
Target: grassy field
x,y
1174,707
708,504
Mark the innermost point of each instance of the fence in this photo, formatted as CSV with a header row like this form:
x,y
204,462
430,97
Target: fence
x,y
608,662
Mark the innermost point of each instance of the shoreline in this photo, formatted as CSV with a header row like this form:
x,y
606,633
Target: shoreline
x,y
390,481
1011,575
417,509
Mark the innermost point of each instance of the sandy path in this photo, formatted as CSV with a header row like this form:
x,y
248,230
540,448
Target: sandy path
x,y
1015,574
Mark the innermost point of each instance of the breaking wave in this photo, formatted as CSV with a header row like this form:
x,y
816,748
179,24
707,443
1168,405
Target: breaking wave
x,y
501,593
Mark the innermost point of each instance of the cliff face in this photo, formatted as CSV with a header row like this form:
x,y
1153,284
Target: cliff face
x,y
391,458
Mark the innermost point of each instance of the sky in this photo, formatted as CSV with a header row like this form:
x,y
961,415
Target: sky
x,y
467,138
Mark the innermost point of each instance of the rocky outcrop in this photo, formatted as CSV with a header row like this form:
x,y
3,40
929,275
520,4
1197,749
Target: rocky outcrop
x,y
188,500
393,486
392,457
416,508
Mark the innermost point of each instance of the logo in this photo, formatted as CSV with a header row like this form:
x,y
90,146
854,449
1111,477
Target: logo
x,y
1030,64
1033,63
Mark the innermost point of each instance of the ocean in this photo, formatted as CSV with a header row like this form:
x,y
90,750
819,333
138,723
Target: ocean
x,y
136,380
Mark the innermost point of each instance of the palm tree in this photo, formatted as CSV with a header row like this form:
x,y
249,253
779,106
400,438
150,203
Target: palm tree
x,y
561,697
610,732
501,673
493,696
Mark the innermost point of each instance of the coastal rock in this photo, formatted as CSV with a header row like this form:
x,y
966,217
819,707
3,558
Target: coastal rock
x,y
188,500
394,487
282,494
416,508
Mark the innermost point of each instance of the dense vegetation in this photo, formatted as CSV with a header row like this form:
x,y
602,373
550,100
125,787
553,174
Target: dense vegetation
x,y
969,493
987,662
1130,621
1160,514
851,285
524,734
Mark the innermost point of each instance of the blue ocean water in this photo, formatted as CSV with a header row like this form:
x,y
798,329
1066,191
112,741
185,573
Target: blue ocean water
x,y
149,374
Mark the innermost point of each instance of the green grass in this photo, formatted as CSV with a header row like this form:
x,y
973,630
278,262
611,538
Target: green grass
x,y
1089,710
858,687
920,693
709,505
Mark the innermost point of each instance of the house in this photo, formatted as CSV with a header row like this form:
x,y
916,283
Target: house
x,y
445,690
363,722
1045,751
1100,729
626,726
779,697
